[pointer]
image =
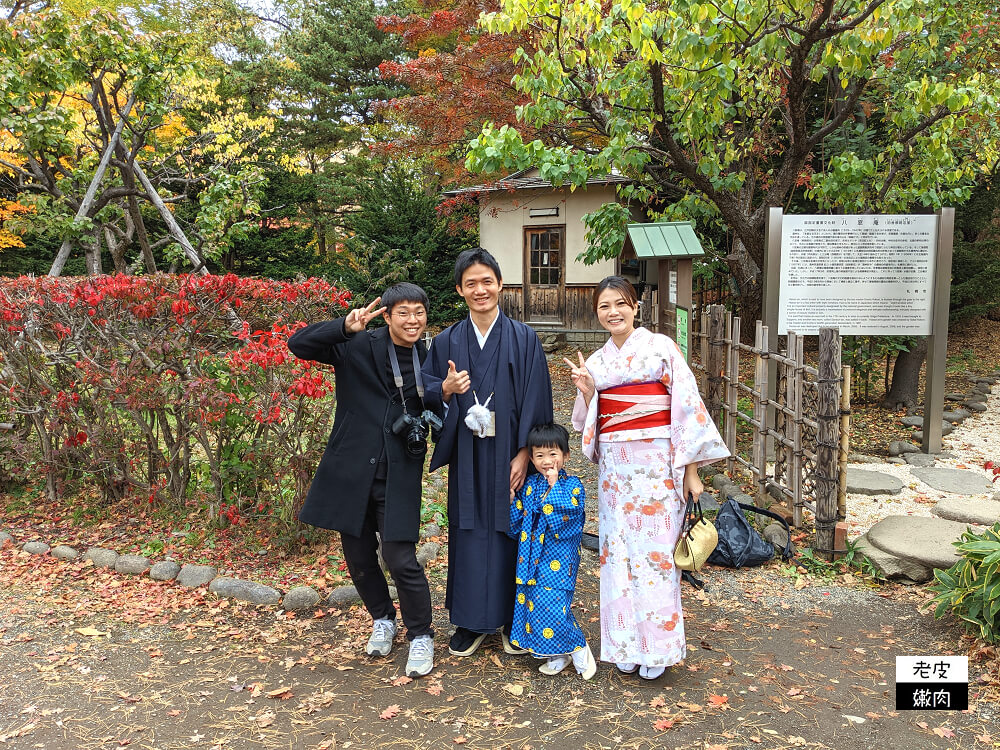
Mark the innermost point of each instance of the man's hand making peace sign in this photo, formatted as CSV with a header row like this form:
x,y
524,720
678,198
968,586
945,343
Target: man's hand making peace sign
x,y
360,317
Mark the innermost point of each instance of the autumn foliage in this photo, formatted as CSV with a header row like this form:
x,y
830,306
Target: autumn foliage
x,y
167,389
461,78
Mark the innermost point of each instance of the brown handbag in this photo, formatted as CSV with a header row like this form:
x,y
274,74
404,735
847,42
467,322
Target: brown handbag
x,y
698,538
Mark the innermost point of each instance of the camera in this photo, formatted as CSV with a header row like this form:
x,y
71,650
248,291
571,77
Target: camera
x,y
415,430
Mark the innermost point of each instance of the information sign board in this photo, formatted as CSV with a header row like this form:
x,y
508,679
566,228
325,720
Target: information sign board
x,y
864,274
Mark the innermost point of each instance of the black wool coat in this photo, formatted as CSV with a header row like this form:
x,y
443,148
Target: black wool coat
x,y
368,403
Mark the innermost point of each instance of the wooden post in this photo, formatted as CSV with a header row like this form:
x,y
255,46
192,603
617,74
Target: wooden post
x,y
685,272
760,409
716,360
797,391
88,198
705,335
663,295
175,231
937,344
827,442
733,393
845,442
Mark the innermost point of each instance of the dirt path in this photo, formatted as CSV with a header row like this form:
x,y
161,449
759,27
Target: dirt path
x,y
97,660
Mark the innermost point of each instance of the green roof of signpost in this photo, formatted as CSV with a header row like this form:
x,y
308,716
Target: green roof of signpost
x,y
664,239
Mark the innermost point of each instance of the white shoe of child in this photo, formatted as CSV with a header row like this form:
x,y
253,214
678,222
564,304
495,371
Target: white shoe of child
x,y
583,660
555,664
626,667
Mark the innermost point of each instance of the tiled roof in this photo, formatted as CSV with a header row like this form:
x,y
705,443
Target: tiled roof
x,y
518,181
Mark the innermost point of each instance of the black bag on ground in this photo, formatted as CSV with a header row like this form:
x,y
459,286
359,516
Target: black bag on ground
x,y
740,546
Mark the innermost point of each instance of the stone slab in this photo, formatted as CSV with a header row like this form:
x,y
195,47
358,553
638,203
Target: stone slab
x,y
708,501
967,510
133,565
64,552
428,551
299,598
919,459
35,548
899,447
343,595
959,481
775,533
193,576
956,415
245,591
867,482
976,406
928,541
102,558
165,570
5,537
430,530
891,566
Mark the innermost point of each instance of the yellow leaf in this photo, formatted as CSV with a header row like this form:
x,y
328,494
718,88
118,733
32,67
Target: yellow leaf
x,y
89,631
516,690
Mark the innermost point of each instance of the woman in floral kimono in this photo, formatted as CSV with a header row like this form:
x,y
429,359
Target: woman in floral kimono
x,y
645,425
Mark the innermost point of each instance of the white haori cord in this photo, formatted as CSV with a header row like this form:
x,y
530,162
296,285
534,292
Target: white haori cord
x,y
478,417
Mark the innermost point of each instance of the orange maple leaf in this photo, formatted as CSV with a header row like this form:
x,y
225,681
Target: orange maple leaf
x,y
390,712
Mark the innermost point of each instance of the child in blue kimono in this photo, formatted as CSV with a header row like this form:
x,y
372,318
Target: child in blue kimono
x,y
546,519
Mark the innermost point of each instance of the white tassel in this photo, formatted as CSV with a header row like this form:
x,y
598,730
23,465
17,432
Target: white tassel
x,y
478,417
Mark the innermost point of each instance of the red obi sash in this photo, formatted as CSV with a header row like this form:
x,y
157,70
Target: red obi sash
x,y
633,407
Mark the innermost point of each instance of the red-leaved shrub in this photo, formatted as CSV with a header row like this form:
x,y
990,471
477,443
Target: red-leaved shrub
x,y
167,388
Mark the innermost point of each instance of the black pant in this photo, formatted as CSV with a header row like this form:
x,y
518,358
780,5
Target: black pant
x,y
361,556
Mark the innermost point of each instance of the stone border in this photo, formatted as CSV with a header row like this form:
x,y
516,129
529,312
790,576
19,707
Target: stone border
x,y
958,407
297,598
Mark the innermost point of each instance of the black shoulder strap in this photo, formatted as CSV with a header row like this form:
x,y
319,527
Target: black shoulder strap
x,y
786,553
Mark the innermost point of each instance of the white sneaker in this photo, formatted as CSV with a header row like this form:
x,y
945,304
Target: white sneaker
x,y
421,658
380,642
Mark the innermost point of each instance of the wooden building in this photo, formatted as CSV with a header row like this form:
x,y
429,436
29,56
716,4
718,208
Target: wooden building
x,y
536,231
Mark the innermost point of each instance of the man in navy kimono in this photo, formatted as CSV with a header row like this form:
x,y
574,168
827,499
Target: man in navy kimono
x,y
496,367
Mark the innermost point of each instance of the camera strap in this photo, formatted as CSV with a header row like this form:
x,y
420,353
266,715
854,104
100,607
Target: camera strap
x,y
398,376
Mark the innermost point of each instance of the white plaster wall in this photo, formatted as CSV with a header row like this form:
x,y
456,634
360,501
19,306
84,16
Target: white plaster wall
x,y
503,215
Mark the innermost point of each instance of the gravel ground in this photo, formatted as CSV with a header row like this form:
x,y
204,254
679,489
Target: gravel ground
x,y
974,442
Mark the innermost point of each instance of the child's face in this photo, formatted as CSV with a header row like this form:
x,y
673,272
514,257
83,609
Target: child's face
x,y
545,457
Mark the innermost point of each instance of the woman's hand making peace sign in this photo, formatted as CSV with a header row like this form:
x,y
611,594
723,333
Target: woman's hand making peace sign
x,y
359,317
581,377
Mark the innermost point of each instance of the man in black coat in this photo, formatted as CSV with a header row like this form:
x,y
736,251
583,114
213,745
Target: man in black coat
x,y
369,478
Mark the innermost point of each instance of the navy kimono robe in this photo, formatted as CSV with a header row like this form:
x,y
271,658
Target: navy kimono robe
x,y
511,366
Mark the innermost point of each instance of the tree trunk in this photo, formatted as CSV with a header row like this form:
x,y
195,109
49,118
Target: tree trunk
x,y
750,281
906,377
92,253
88,199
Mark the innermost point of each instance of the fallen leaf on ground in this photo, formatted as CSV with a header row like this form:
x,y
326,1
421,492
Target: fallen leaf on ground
x,y
89,631
514,689
402,680
943,732
460,740
265,719
718,700
390,712
283,693
661,725
657,702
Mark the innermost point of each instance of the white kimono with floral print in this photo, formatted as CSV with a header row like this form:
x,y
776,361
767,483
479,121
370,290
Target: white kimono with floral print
x,y
640,498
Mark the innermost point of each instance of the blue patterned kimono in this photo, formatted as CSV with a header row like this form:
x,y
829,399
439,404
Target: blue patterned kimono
x,y
548,524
